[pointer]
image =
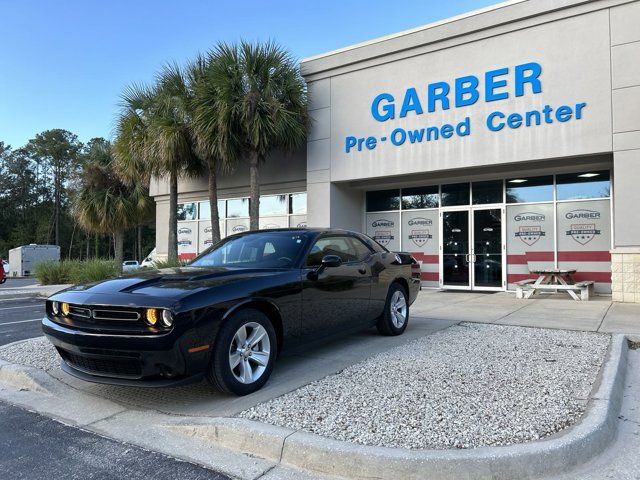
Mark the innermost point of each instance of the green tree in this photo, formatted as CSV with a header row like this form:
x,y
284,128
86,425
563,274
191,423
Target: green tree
x,y
154,136
56,153
104,204
255,102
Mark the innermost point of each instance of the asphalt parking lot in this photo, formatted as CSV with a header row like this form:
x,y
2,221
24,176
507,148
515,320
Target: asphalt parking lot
x,y
20,319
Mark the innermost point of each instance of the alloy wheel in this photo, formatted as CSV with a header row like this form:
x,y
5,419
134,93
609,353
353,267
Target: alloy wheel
x,y
249,352
398,306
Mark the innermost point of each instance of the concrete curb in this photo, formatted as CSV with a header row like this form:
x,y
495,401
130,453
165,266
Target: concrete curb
x,y
556,454
23,377
40,291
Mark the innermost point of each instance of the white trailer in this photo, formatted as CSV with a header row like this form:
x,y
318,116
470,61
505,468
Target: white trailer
x,y
23,260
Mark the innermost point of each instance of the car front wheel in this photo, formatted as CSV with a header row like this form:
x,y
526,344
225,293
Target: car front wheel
x,y
244,353
395,317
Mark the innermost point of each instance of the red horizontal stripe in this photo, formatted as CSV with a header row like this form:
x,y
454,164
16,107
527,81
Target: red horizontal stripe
x,y
578,256
530,257
425,258
600,277
187,256
430,276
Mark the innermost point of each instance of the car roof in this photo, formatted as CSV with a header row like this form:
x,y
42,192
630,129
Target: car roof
x,y
305,229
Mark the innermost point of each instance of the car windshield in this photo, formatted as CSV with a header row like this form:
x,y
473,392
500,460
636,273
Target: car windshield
x,y
255,250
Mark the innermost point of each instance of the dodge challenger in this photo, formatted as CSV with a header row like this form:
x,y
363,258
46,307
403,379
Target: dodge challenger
x,y
229,314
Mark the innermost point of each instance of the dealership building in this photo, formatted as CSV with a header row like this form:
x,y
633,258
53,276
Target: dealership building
x,y
487,145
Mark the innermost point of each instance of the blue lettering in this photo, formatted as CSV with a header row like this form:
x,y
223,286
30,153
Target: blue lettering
x,y
464,128
466,91
528,73
514,120
370,143
438,91
398,136
490,124
416,135
411,103
388,110
446,131
491,84
564,113
350,142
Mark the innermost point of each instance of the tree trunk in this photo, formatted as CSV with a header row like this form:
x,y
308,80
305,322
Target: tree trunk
x,y
213,204
173,217
119,250
88,245
139,243
97,247
254,191
56,183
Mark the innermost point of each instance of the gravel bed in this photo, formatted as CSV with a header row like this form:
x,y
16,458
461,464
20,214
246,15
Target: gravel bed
x,y
469,386
35,352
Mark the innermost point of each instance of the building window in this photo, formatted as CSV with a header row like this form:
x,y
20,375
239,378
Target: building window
x,y
205,211
298,204
580,186
531,189
487,192
238,207
187,211
420,197
271,205
382,200
455,194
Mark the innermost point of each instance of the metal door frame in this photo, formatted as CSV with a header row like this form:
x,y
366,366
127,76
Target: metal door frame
x,y
471,219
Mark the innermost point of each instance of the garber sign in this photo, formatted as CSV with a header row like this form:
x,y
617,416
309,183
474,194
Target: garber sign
x,y
499,84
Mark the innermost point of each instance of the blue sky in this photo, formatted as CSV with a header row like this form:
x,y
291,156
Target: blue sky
x,y
63,64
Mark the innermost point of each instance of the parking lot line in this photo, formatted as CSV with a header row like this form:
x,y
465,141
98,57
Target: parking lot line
x,y
35,305
21,321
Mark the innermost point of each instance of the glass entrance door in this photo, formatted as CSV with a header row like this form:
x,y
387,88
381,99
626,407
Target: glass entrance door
x,y
486,252
455,249
472,249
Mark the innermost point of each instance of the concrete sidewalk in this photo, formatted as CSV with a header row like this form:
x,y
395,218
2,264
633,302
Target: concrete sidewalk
x,y
8,292
548,311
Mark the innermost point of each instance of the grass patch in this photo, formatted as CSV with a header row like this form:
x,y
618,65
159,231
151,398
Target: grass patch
x,y
75,271
158,264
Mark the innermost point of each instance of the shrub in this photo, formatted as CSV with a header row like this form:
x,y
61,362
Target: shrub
x,y
75,271
158,264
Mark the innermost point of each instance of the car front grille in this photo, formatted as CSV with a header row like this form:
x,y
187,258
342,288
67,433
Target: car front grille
x,y
113,320
104,366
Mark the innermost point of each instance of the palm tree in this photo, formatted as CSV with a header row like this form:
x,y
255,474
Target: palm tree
x,y
255,102
154,135
104,204
207,134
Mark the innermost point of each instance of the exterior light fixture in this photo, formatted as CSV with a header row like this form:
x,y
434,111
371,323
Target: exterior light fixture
x,y
588,175
517,180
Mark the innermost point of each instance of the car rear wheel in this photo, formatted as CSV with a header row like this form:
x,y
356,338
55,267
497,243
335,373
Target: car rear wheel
x,y
395,317
244,353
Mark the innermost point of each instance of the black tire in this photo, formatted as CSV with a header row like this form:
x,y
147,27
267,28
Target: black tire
x,y
386,324
220,374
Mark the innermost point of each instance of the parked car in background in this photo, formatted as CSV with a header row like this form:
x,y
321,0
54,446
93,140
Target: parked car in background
x,y
148,262
3,274
5,267
130,265
230,313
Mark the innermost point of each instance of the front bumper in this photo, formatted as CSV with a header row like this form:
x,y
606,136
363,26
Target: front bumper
x,y
150,360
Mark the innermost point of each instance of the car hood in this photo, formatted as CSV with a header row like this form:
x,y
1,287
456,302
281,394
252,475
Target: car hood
x,y
158,287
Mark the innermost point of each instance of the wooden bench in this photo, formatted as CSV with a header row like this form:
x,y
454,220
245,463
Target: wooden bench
x,y
523,285
527,289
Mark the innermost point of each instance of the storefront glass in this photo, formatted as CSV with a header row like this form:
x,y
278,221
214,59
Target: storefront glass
x,y
533,230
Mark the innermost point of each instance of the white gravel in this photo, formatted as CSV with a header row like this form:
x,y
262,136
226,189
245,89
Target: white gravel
x,y
469,386
36,352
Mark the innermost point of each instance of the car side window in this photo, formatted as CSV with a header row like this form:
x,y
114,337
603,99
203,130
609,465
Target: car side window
x,y
334,245
362,251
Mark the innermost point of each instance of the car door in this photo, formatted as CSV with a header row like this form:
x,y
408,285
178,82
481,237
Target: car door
x,y
337,298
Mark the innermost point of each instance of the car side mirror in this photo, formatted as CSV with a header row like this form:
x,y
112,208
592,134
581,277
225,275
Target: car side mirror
x,y
328,261
331,261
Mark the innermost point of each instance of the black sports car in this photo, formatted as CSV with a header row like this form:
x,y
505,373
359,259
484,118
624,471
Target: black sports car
x,y
229,313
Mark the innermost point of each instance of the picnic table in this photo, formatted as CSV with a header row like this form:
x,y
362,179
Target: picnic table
x,y
554,279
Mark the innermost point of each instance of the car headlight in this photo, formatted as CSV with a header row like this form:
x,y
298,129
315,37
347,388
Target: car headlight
x,y
65,309
167,318
151,316
55,308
